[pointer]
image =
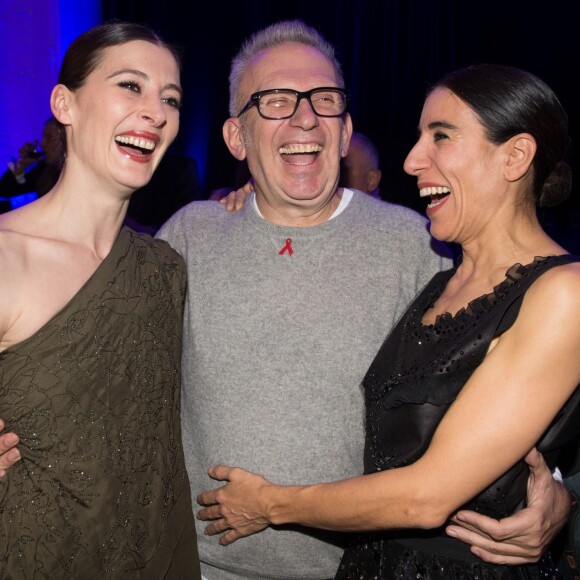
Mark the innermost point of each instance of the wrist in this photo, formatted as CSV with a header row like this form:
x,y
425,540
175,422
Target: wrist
x,y
563,505
571,549
281,504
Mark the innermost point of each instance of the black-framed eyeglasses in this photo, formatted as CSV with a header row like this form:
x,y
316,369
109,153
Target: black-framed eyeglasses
x,y
279,104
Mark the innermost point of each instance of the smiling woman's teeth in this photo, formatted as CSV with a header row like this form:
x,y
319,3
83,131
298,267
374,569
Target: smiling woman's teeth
x,y
427,191
135,142
437,194
436,201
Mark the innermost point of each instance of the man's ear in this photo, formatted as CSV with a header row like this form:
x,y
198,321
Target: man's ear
x,y
234,138
521,150
60,104
346,135
373,179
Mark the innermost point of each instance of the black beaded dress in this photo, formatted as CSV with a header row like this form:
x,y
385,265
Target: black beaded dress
x,y
413,380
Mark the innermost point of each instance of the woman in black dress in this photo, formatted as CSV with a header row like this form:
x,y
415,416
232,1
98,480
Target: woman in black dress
x,y
481,368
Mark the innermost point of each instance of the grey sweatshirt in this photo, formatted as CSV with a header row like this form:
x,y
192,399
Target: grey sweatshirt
x,y
276,343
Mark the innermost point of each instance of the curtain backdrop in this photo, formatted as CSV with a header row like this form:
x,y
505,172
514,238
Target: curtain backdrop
x,y
391,51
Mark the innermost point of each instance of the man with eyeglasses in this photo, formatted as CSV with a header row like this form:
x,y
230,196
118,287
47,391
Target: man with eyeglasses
x,y
289,299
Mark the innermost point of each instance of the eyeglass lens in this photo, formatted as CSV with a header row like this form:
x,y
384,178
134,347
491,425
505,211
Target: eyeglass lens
x,y
279,104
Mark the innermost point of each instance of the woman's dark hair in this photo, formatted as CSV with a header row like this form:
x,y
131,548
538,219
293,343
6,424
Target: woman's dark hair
x,y
84,54
509,101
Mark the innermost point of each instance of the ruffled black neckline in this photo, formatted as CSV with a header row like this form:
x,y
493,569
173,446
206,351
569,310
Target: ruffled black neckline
x,y
416,361
485,302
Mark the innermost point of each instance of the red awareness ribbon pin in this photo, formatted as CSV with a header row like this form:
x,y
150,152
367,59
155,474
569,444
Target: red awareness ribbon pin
x,y
287,248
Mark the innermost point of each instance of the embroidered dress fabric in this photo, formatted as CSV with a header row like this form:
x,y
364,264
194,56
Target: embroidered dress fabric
x,y
101,490
417,374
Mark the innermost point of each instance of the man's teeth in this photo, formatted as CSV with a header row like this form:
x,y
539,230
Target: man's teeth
x,y
135,142
427,191
299,148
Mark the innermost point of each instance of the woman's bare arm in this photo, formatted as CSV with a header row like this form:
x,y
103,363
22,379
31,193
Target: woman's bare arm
x,y
495,421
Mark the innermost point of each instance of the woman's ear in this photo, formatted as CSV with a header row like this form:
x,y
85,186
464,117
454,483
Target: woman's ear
x,y
373,179
234,138
60,103
521,152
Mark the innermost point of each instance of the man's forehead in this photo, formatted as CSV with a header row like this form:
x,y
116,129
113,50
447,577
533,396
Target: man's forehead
x,y
289,65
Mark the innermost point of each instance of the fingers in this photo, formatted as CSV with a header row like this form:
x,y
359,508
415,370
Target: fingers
x,y
248,187
235,199
9,455
494,552
210,512
229,201
534,458
230,537
519,529
510,541
220,472
9,458
217,527
8,441
228,508
207,498
536,463
480,525
240,198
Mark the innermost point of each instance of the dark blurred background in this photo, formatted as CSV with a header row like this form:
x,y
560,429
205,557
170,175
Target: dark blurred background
x,y
391,52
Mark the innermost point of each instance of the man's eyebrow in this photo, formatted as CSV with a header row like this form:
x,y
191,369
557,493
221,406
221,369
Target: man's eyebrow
x,y
144,76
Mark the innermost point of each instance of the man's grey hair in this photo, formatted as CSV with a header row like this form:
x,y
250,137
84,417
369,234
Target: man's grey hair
x,y
269,37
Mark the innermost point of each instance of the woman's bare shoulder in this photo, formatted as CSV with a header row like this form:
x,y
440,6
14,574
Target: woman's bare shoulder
x,y
558,286
551,309
12,265
16,248
13,248
25,267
